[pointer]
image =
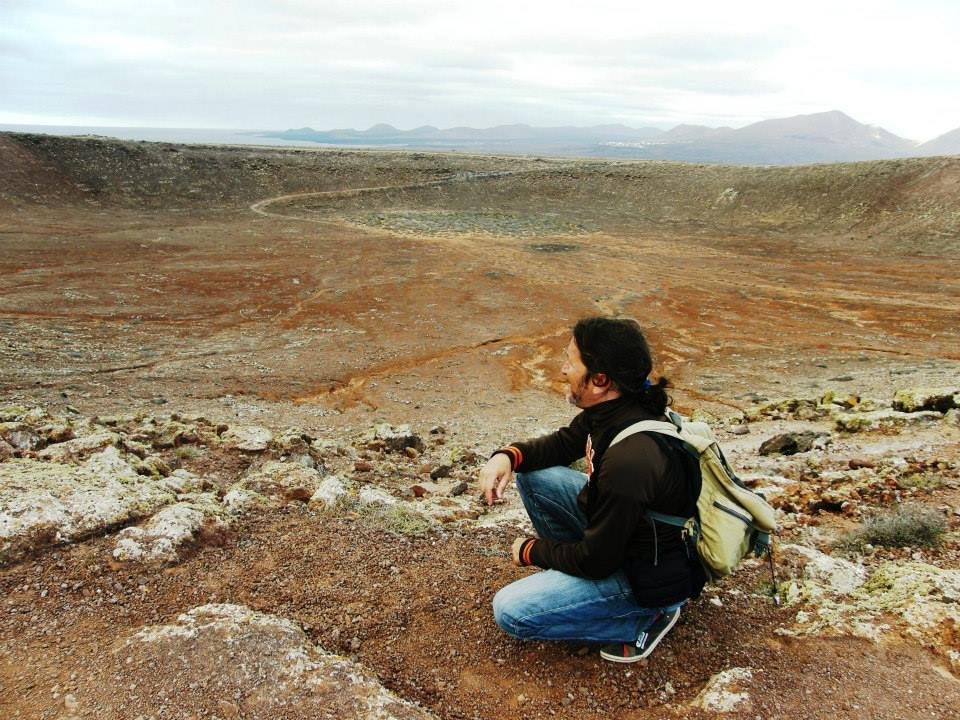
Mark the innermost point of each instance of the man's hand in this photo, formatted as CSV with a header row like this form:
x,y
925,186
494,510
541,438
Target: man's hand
x,y
515,551
494,477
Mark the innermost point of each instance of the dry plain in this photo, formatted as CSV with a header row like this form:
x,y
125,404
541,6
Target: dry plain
x,y
330,290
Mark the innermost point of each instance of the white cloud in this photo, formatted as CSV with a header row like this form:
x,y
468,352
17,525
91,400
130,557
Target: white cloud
x,y
444,62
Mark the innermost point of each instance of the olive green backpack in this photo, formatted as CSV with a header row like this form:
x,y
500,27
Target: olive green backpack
x,y
731,520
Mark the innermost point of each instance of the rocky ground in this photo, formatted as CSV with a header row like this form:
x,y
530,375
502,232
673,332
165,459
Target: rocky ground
x,y
238,447
163,565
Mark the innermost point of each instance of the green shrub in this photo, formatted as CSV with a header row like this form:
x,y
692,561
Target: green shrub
x,y
912,526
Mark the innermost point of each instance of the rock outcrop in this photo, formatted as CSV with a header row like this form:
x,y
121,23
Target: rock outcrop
x,y
237,662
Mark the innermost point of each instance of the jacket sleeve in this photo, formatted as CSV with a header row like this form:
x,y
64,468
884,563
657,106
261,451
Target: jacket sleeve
x,y
561,447
626,485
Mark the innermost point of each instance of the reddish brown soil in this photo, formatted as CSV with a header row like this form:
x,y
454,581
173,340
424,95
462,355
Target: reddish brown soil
x,y
329,325
418,613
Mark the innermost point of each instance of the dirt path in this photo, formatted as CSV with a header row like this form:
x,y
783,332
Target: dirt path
x,y
260,206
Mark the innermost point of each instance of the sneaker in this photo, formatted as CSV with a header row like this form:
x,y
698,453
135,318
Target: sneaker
x,y
648,640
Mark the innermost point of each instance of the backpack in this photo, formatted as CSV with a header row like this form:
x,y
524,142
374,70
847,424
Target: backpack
x,y
731,520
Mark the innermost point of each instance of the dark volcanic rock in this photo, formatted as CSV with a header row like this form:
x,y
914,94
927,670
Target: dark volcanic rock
x,y
789,443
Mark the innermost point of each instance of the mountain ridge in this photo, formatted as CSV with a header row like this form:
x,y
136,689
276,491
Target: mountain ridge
x,y
825,137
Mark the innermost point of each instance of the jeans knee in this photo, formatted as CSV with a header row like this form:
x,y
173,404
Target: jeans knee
x,y
504,613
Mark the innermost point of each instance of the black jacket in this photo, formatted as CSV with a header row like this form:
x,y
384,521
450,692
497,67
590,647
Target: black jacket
x,y
641,472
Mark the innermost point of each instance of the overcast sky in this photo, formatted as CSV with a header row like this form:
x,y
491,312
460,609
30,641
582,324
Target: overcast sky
x,y
277,64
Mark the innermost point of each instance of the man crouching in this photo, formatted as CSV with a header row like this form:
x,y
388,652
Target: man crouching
x,y
612,576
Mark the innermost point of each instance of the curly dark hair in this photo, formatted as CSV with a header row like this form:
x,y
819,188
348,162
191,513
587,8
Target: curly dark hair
x,y
617,348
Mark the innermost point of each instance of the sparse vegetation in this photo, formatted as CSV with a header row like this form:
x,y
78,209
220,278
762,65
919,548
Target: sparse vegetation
x,y
188,452
432,222
398,519
920,480
907,526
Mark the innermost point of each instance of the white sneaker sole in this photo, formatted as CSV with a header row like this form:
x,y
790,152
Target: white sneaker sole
x,y
647,650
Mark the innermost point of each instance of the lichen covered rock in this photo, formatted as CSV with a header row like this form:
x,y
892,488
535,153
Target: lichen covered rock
x,y
725,692
282,481
329,493
912,598
916,399
273,669
249,439
72,450
836,575
43,503
882,420
161,537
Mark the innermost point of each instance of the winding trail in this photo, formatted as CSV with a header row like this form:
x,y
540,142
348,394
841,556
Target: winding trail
x,y
260,207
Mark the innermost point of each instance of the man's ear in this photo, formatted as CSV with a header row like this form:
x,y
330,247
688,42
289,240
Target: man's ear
x,y
600,380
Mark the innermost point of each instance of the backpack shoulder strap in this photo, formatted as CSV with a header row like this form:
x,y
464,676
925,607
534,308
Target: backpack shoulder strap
x,y
657,426
661,428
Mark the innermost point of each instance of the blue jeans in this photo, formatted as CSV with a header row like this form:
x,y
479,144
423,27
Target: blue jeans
x,y
551,605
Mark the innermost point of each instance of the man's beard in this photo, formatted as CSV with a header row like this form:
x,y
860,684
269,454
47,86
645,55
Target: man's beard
x,y
575,395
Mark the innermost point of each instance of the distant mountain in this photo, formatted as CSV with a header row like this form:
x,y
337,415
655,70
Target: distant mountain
x,y
502,138
946,144
690,133
818,138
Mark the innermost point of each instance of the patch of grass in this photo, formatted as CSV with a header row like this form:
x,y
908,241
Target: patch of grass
x,y
921,481
764,588
398,519
907,526
188,452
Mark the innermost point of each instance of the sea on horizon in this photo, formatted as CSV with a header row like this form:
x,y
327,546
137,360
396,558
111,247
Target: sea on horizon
x,y
195,136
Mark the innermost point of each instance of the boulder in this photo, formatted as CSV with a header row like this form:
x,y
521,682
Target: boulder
x,y
294,441
21,436
791,443
916,399
282,481
250,439
725,692
182,481
56,433
238,500
174,434
44,503
263,666
159,539
883,420
329,493
72,450
397,439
